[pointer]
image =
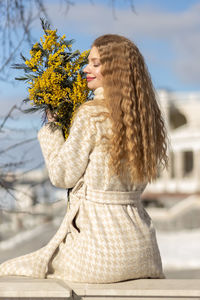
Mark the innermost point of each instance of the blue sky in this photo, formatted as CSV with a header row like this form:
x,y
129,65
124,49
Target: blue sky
x,y
166,32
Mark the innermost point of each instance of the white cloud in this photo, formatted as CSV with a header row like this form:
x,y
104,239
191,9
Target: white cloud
x,y
180,30
187,64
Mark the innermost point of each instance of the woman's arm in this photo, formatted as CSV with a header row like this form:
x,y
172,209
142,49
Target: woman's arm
x,y
66,161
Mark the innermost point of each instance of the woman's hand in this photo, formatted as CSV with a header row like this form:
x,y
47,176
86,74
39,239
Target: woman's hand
x,y
51,116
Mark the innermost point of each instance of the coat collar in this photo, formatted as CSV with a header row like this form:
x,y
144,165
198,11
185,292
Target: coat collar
x,y
98,93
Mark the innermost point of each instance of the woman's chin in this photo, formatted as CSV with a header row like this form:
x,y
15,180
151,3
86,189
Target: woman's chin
x,y
91,85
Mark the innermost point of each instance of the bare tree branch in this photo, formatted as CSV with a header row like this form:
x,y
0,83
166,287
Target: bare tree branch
x,y
6,180
8,115
10,58
17,145
17,16
113,5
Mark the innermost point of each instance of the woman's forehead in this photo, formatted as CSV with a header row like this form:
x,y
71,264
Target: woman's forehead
x,y
94,53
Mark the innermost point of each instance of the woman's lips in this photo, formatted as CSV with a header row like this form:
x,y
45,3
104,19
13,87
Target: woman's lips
x,y
90,78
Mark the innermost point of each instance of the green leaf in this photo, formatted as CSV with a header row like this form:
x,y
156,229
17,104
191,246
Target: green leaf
x,y
31,110
36,108
21,78
23,57
18,66
21,67
45,24
68,42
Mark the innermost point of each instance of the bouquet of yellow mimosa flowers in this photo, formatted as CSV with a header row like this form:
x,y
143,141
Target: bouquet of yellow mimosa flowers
x,y
55,77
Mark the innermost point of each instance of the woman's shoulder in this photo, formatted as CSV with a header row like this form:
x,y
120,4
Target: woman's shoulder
x,y
93,117
92,110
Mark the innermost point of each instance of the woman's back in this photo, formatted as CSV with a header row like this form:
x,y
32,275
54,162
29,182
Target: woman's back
x,y
97,175
112,237
106,236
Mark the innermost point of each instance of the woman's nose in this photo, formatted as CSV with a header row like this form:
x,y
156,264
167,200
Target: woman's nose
x,y
86,69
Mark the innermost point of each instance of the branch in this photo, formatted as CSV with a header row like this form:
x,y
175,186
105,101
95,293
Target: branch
x,y
17,145
11,56
14,107
16,15
32,213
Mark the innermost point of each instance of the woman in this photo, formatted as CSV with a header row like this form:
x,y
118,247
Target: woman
x,y
116,144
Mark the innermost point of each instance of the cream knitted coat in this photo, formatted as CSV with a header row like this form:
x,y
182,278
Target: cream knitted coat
x,y
106,236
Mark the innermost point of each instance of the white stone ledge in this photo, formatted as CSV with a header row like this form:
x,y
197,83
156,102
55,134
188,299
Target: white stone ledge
x,y
141,289
29,288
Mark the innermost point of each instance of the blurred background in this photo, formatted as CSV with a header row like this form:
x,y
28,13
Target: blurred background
x,y
167,33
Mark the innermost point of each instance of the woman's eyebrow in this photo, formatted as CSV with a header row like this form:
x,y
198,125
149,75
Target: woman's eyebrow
x,y
94,58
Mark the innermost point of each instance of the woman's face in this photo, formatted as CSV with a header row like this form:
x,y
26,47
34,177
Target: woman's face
x,y
93,70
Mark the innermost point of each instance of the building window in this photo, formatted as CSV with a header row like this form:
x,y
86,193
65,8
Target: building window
x,y
171,161
188,161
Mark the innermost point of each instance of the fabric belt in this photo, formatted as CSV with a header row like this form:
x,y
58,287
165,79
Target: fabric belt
x,y
113,197
82,192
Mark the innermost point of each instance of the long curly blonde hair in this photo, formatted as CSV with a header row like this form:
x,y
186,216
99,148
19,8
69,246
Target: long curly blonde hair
x,y
138,141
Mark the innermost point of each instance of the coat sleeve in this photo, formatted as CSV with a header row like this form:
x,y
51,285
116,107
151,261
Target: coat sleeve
x,y
66,161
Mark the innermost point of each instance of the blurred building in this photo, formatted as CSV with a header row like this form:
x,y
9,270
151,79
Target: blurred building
x,y
181,114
